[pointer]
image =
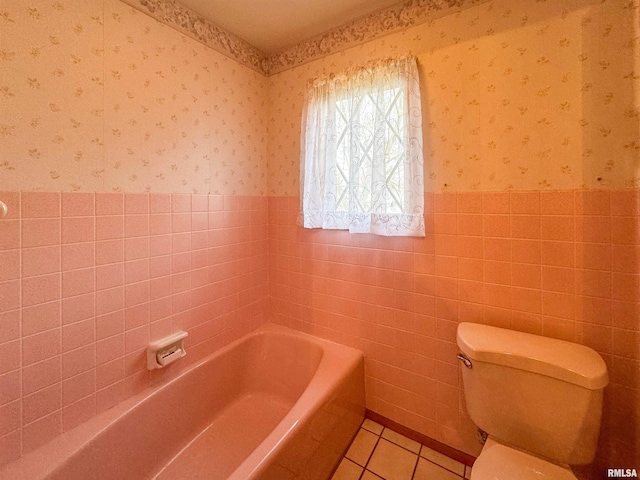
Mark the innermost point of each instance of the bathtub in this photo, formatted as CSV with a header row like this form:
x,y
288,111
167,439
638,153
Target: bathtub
x,y
276,404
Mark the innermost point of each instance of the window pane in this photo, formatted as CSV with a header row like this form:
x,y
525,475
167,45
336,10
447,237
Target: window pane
x,y
357,120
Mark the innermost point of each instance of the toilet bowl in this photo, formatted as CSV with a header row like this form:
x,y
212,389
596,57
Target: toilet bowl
x,y
538,399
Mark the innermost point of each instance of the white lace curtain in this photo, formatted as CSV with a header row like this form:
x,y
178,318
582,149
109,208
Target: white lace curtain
x,y
361,151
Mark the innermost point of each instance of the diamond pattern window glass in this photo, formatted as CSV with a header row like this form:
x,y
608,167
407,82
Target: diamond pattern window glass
x,y
362,165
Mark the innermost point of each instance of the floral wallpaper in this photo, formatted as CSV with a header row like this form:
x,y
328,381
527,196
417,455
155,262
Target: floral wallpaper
x,y
533,96
51,95
97,96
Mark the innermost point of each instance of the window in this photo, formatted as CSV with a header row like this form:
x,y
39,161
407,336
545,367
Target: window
x,y
361,148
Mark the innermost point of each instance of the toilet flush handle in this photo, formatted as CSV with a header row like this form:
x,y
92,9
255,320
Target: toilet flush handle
x,y
464,359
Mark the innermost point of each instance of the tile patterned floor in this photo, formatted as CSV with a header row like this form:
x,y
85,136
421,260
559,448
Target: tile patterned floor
x,y
380,453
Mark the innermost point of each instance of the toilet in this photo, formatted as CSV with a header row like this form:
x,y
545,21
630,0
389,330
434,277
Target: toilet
x,y
538,399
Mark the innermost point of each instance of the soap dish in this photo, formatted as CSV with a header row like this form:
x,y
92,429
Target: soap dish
x,y
165,351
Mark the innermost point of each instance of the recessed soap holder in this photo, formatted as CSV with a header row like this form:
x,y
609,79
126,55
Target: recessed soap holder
x,y
165,351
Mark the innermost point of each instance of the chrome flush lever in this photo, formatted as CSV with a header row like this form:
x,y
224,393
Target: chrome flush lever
x,y
464,359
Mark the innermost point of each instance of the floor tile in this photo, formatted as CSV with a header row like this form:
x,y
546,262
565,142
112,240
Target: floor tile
x,y
370,476
372,426
442,460
392,462
362,446
347,470
430,471
401,440
379,453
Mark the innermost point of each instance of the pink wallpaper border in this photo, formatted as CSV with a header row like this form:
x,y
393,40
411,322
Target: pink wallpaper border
x,y
378,24
194,25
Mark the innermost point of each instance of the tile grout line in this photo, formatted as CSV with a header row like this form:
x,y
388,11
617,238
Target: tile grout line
x,y
418,456
464,467
380,437
364,469
415,467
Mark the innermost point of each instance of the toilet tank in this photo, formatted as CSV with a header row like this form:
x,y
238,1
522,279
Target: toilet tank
x,y
535,393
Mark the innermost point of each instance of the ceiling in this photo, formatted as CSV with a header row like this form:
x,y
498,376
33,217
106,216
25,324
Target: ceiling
x,y
271,25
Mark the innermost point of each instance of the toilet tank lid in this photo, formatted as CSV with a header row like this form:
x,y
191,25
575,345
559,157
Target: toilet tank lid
x,y
565,361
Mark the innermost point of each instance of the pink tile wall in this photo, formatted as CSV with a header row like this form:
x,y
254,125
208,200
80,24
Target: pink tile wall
x,y
561,264
87,280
